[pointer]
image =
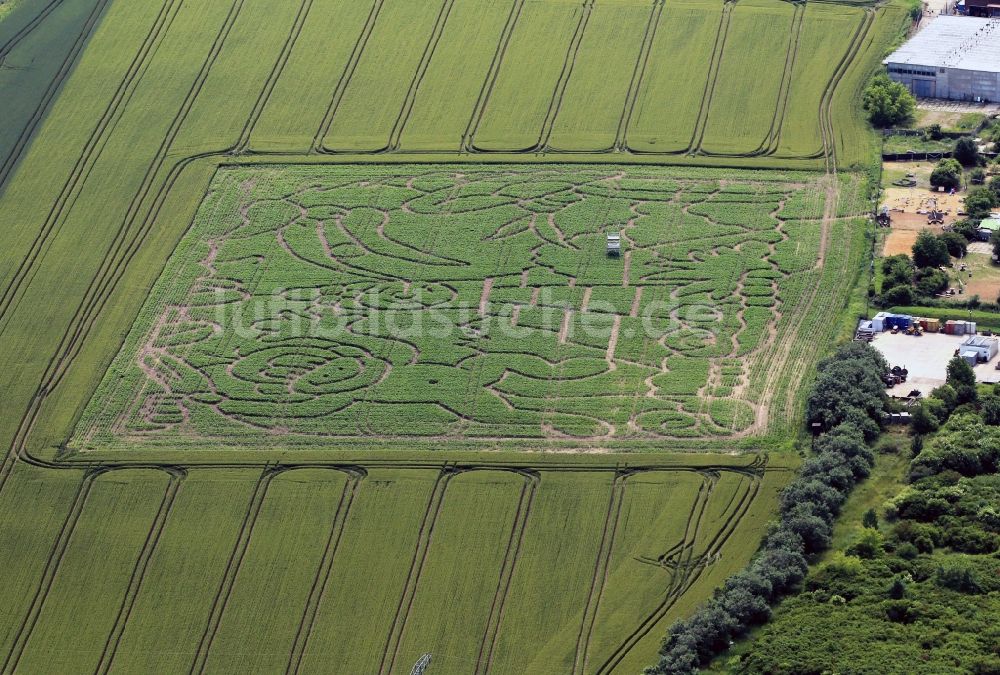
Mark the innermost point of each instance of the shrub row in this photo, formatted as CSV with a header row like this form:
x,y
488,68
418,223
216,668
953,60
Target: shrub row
x,y
846,401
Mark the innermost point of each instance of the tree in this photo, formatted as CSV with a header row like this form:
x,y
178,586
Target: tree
x,y
958,576
931,281
967,229
957,245
813,529
930,251
991,410
966,152
977,176
962,379
888,103
980,202
995,241
868,545
947,395
923,421
870,519
994,186
898,295
897,270
960,373
933,132
947,174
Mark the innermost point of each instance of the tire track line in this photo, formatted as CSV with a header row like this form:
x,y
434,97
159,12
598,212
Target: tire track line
x,y
345,78
564,76
320,582
601,567
279,67
479,109
484,661
424,537
49,572
139,571
232,568
687,572
123,249
826,103
21,144
425,60
770,144
27,29
713,75
638,75
94,144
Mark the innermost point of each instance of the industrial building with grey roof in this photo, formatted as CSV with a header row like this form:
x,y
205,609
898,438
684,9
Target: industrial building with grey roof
x,y
953,57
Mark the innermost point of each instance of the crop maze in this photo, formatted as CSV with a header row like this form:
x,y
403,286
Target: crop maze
x,y
474,303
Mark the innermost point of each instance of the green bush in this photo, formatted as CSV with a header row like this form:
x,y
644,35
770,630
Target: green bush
x,y
888,103
947,174
958,576
930,251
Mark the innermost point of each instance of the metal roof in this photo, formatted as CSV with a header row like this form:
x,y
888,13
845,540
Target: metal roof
x,y
979,341
960,42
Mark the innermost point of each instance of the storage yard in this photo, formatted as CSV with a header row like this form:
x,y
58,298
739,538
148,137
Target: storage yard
x,y
923,347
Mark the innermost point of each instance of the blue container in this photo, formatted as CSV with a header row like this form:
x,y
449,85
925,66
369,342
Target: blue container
x,y
898,321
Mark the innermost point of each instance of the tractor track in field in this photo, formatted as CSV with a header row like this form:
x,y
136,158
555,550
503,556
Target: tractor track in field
x,y
435,503
322,578
272,81
93,148
569,62
91,305
345,78
27,133
681,551
124,248
233,564
139,572
425,61
638,75
484,661
826,101
28,28
479,109
49,571
768,145
713,75
61,544
600,575
691,570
